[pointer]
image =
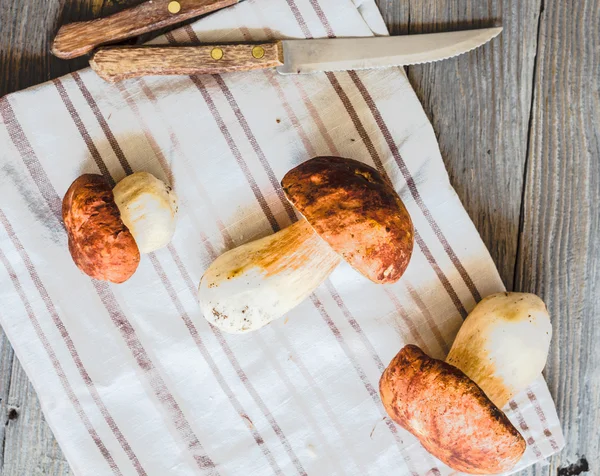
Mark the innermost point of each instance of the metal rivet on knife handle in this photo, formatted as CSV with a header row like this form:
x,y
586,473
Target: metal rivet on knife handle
x,y
174,7
258,52
216,53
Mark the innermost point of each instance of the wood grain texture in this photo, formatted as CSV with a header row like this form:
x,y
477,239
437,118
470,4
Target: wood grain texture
x,y
7,357
117,64
479,102
28,27
29,446
76,39
559,252
487,93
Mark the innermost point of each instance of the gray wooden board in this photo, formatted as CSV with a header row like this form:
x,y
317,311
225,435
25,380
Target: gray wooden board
x,y
7,361
559,249
518,127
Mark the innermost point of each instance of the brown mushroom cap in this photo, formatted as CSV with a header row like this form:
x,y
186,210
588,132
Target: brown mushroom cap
x,y
357,212
449,414
99,242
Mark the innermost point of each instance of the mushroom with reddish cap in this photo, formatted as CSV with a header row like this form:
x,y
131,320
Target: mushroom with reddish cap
x,y
453,407
349,210
100,244
450,415
109,228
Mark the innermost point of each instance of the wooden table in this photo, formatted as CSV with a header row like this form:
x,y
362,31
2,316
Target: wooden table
x,y
518,123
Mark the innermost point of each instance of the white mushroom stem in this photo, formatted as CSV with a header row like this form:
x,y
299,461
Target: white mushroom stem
x,y
148,208
503,344
250,286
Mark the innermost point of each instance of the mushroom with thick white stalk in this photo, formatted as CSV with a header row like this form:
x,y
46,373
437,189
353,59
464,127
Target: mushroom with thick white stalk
x,y
148,208
108,229
348,209
503,344
454,407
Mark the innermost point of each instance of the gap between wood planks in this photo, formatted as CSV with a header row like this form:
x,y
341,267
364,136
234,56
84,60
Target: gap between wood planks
x,y
534,93
7,360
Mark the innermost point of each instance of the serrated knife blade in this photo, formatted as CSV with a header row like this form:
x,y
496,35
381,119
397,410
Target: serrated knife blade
x,y
341,54
287,56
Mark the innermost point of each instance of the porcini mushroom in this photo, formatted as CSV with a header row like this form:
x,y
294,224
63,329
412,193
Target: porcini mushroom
x,y
100,243
450,415
108,229
453,407
348,209
503,344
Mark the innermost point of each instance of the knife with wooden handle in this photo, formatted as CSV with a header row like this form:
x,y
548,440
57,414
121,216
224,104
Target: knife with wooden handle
x,y
77,39
117,64
287,56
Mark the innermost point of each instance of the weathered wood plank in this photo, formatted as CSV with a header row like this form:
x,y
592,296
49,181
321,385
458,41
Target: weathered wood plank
x,y
491,100
30,448
28,27
559,252
27,446
6,364
479,104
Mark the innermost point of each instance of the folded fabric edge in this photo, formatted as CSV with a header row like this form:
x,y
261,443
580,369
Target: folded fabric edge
x,y
374,20
372,16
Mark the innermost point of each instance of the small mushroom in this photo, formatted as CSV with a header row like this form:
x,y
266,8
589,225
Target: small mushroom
x,y
503,344
148,208
349,210
100,243
108,229
449,414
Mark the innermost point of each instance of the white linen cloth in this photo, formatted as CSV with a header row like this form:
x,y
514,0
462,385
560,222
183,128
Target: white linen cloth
x,y
131,378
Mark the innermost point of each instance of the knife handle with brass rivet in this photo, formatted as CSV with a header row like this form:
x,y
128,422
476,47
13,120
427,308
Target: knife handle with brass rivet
x,y
118,63
77,39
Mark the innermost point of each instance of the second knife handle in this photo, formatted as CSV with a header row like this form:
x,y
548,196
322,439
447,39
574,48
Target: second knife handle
x,y
80,38
119,63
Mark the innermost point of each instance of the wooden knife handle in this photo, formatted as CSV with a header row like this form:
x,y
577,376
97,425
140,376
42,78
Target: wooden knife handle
x,y
77,39
119,63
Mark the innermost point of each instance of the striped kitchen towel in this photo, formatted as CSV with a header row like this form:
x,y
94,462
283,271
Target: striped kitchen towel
x,y
131,378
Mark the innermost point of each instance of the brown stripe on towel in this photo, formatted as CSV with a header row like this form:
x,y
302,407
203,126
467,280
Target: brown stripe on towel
x,y
55,362
157,383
